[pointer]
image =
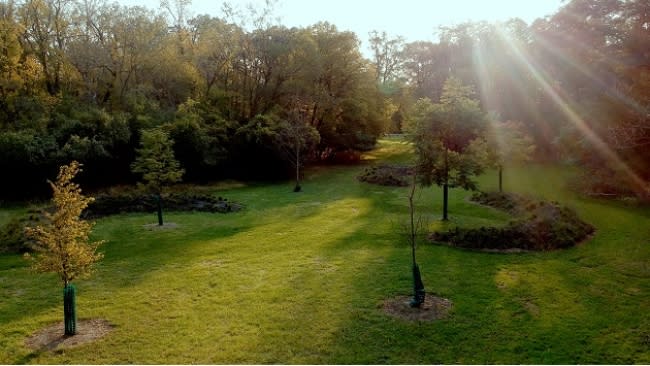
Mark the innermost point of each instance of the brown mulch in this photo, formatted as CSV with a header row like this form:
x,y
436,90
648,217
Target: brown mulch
x,y
434,308
52,337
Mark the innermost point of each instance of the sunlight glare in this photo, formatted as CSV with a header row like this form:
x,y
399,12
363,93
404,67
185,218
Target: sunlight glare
x,y
573,117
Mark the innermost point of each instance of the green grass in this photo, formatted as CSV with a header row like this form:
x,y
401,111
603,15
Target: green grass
x,y
300,278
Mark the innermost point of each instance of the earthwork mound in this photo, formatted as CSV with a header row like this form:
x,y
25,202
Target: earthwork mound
x,y
387,175
539,225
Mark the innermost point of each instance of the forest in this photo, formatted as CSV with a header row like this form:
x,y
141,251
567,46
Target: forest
x,y
82,79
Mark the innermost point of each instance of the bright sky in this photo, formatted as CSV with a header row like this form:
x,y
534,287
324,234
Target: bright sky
x,y
413,19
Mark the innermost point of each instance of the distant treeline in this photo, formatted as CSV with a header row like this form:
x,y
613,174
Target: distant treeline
x,y
81,80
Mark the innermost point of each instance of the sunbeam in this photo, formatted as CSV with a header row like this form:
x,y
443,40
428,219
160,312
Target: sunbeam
x,y
607,87
572,116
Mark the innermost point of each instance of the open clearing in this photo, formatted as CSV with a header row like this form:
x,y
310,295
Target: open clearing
x,y
302,278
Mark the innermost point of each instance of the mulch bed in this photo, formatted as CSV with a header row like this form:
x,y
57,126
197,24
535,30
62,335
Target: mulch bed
x,y
387,175
52,337
539,226
433,308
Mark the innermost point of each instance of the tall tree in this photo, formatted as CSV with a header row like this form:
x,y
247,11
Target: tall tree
x,y
63,244
448,140
46,25
296,138
387,55
426,67
157,164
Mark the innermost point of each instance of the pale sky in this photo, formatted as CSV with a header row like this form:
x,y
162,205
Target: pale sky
x,y
413,19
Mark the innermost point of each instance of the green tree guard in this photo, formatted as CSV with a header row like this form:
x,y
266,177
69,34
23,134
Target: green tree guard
x,y
418,288
69,310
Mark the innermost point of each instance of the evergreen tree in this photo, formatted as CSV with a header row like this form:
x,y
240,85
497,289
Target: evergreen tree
x,y
157,164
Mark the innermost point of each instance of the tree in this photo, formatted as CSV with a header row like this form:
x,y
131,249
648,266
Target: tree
x,y
426,67
388,55
62,243
508,143
414,227
157,164
295,139
447,139
46,34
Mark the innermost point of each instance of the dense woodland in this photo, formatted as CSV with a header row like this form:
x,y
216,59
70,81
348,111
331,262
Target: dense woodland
x,y
81,79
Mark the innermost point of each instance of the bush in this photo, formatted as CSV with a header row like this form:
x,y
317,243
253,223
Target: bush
x,y
12,235
386,175
545,226
111,204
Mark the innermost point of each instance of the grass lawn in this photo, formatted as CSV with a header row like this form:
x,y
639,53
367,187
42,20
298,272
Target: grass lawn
x,y
301,278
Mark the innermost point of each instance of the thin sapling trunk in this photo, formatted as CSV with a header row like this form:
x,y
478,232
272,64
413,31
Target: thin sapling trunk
x,y
418,286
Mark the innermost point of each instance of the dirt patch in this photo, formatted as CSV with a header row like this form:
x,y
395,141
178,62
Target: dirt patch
x,y
531,307
434,308
166,226
52,337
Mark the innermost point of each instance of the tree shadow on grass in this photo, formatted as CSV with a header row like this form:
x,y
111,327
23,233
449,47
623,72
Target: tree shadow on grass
x,y
486,326
324,300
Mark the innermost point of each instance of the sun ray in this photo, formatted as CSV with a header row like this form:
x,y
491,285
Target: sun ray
x,y
610,89
572,116
486,89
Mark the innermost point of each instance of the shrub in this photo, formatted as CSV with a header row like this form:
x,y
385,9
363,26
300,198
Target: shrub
x,y
12,236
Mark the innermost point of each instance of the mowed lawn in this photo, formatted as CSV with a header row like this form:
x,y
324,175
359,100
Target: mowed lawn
x,y
301,278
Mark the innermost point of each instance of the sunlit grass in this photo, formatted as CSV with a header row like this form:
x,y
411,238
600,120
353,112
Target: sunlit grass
x,y
300,278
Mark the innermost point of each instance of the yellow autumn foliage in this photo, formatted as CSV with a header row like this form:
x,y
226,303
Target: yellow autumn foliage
x,y
62,244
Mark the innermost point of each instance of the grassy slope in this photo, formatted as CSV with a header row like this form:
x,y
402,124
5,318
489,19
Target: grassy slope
x,y
300,278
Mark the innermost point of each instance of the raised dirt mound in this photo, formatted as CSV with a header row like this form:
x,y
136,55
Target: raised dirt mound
x,y
387,175
541,226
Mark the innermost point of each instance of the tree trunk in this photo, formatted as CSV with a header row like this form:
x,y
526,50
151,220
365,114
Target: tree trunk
x,y
69,310
445,201
297,188
159,204
418,288
445,189
500,178
413,232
